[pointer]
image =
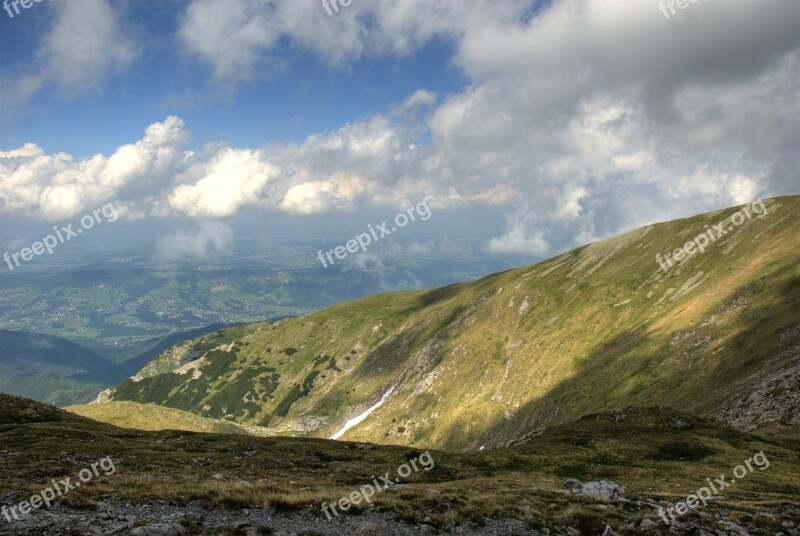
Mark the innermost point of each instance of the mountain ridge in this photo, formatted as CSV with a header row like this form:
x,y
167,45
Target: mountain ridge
x,y
489,362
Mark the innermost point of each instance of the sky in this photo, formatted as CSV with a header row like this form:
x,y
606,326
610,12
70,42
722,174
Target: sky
x,y
550,123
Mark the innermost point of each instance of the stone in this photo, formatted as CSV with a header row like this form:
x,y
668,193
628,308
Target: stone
x,y
604,489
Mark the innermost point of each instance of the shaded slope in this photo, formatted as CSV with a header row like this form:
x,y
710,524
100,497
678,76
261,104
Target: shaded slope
x,y
29,352
58,371
50,368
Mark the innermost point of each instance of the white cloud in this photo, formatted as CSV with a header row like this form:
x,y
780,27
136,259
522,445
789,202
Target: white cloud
x,y
84,45
587,118
238,38
208,239
57,186
571,201
522,236
316,197
61,201
218,187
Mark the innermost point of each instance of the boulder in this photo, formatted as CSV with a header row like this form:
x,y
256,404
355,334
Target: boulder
x,y
602,489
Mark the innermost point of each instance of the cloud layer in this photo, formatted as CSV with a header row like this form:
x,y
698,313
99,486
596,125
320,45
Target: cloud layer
x,y
583,118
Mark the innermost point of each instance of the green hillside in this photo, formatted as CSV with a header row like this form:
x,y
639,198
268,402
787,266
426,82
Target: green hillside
x,y
154,418
491,362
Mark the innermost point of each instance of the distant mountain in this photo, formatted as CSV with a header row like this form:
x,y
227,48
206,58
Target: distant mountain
x,y
48,386
493,361
60,372
30,352
51,369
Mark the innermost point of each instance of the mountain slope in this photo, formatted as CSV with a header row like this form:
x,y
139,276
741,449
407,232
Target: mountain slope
x,y
30,352
492,361
131,366
50,368
153,418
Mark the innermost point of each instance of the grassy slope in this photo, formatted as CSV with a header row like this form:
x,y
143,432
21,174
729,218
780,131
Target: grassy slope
x,y
154,418
655,453
489,361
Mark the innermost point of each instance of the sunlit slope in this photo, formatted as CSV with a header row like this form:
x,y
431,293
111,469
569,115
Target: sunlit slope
x,y
491,361
151,417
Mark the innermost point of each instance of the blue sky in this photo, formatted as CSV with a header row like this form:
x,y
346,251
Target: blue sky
x,y
304,97
556,123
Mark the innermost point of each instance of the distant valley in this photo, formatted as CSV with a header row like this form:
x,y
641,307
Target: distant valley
x,y
57,371
94,320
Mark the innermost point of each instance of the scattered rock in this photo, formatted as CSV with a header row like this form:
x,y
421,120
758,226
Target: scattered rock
x,y
734,528
603,489
647,524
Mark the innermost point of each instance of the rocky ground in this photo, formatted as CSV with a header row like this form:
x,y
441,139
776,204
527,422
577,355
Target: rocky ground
x,y
159,518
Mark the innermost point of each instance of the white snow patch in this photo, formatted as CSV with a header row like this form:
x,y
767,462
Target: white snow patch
x,y
357,420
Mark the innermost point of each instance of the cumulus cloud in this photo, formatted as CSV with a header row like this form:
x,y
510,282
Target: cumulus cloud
x,y
221,185
317,197
238,38
58,186
583,117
